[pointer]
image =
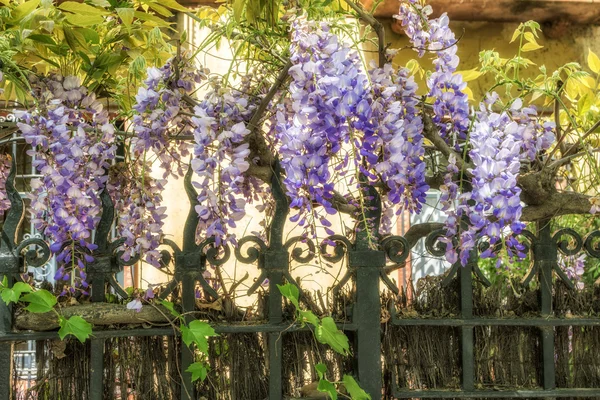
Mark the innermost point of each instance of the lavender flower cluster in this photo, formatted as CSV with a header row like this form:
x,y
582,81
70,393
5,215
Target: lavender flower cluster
x,y
220,158
451,105
160,116
73,144
327,90
499,143
5,165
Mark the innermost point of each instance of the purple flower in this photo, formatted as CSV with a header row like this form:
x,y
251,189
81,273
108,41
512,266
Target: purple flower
x,y
135,304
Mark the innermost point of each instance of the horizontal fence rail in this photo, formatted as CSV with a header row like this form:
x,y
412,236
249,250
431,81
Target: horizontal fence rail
x,y
365,259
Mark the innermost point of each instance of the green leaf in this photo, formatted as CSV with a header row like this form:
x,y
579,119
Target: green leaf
x,y
171,307
321,370
593,62
328,333
172,4
40,301
126,15
23,10
197,332
82,9
310,317
46,39
150,19
355,392
290,292
516,34
12,295
198,371
75,326
238,7
160,10
327,387
4,281
531,46
84,20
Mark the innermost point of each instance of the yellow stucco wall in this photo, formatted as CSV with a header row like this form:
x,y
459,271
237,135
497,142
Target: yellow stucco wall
x,y
561,45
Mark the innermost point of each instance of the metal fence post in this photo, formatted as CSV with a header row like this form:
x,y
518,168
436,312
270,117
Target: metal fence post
x,y
276,263
465,276
6,348
545,254
367,264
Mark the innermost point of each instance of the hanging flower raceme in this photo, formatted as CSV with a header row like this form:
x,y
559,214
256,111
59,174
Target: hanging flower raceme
x,y
220,152
451,107
5,165
160,116
328,91
499,142
395,126
73,145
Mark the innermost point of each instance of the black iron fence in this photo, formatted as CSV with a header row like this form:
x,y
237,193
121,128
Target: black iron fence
x,y
374,362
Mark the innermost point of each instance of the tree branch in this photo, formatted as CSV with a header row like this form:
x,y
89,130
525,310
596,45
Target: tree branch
x,y
258,145
556,204
430,132
377,28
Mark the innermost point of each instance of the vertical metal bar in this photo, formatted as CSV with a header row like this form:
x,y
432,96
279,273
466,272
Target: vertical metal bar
x,y
275,366
276,231
188,296
465,275
97,346
368,337
6,349
545,255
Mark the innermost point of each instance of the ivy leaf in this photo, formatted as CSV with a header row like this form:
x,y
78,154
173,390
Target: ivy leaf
x,y
327,387
290,292
75,326
40,301
12,295
197,332
310,317
328,333
321,370
171,307
198,371
355,391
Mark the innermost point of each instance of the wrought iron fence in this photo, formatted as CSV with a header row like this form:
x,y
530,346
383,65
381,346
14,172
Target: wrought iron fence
x,y
365,268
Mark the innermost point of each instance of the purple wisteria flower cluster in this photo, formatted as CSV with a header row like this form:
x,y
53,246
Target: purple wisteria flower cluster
x,y
451,105
5,165
499,143
394,120
220,158
160,116
328,90
341,114
73,144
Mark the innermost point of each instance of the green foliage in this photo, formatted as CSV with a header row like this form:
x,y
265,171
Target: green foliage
x,y
40,301
12,295
198,371
75,326
96,41
196,333
326,332
355,392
